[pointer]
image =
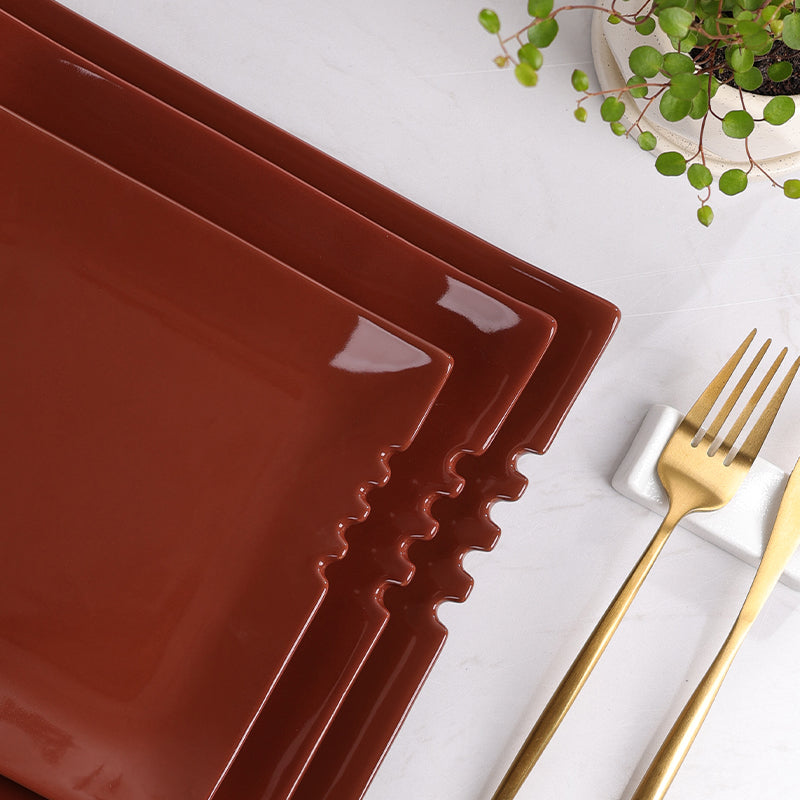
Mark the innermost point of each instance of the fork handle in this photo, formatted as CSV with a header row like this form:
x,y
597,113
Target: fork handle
x,y
577,675
670,756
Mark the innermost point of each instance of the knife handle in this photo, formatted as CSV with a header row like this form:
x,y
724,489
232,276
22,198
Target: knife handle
x,y
781,546
672,752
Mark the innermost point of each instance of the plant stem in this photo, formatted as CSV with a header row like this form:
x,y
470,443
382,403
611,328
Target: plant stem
x,y
754,163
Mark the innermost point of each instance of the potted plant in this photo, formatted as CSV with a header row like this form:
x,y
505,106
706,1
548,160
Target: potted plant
x,y
707,85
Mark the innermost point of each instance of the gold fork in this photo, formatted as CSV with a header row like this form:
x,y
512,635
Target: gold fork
x,y
699,473
781,546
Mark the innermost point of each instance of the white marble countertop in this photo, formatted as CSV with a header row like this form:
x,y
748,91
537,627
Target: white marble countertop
x,y
407,93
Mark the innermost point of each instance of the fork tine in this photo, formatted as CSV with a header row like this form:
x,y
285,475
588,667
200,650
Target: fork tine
x,y
752,444
747,411
730,402
700,410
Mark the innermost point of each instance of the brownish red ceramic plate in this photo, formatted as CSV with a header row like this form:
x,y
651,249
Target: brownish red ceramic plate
x,y
239,152
496,343
182,449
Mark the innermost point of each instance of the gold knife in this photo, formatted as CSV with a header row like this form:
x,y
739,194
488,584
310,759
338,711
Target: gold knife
x,y
781,545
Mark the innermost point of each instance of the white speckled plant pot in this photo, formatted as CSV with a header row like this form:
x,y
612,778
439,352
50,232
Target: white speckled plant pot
x,y
776,148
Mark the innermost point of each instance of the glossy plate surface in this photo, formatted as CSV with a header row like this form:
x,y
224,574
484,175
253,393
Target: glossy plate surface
x,y
586,322
495,340
182,451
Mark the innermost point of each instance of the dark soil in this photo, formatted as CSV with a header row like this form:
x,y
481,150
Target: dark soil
x,y
779,52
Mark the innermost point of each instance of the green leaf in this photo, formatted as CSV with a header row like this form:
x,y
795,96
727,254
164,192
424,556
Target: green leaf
x,y
753,35
645,60
540,8
531,55
791,31
678,63
779,110
685,86
613,19
738,124
639,90
645,25
780,71
489,20
699,176
705,215
580,80
732,181
740,58
675,21
791,188
750,80
526,74
673,108
699,105
663,4
767,48
612,109
542,33
618,129
647,140
769,13
671,163
580,114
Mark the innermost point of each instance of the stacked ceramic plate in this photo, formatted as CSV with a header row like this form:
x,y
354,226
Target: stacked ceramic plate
x,y
255,410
